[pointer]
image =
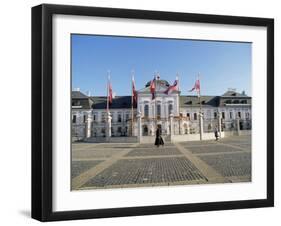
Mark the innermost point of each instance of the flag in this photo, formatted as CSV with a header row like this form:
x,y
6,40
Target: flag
x,y
196,87
134,92
153,88
172,87
110,93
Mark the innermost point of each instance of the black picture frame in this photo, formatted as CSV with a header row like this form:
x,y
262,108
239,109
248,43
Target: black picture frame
x,y
42,111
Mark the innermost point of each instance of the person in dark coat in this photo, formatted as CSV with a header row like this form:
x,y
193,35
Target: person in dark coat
x,y
158,140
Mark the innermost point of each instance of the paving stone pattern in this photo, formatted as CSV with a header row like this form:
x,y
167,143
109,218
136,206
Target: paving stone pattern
x,y
230,164
140,171
146,165
154,151
211,149
79,167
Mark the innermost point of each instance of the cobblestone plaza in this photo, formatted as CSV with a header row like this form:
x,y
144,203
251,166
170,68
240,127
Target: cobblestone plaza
x,y
109,165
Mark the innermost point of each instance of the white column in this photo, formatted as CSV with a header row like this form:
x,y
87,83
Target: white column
x,y
108,126
88,126
167,127
171,127
152,129
139,127
201,128
188,127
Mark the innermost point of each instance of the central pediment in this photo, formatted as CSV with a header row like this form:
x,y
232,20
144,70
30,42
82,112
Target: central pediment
x,y
161,86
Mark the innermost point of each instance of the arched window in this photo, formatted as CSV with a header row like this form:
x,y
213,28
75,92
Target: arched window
x,y
215,115
146,110
239,114
195,116
158,110
170,108
119,117
74,119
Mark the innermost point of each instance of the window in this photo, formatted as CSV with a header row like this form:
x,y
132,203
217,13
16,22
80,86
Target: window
x,y
74,119
230,115
170,110
127,116
119,130
119,119
239,114
103,117
215,115
209,114
247,115
223,115
146,109
195,116
158,110
94,117
84,118
188,115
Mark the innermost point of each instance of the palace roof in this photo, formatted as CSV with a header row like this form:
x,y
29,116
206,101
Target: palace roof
x,y
100,102
230,98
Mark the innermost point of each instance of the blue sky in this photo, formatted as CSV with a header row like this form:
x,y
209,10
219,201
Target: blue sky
x,y
221,65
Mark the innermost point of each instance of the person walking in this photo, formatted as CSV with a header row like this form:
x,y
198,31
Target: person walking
x,y
216,133
158,140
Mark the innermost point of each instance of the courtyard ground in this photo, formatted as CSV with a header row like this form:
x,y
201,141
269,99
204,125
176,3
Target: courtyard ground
x,y
106,165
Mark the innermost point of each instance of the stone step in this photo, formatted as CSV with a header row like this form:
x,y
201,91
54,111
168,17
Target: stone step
x,y
111,140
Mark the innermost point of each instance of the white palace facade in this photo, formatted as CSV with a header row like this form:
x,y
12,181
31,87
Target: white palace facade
x,y
178,116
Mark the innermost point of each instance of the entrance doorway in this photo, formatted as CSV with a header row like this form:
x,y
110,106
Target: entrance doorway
x,y
144,130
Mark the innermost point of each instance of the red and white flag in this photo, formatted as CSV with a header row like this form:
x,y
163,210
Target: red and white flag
x,y
153,88
110,93
196,87
134,92
172,87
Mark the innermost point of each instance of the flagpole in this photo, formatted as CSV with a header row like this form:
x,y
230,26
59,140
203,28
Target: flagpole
x,y
199,94
200,107
155,105
107,105
178,78
132,104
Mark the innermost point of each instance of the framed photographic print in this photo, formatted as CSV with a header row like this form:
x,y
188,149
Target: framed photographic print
x,y
145,112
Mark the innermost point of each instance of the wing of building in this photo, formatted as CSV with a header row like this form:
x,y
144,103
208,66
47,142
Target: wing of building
x,y
230,110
